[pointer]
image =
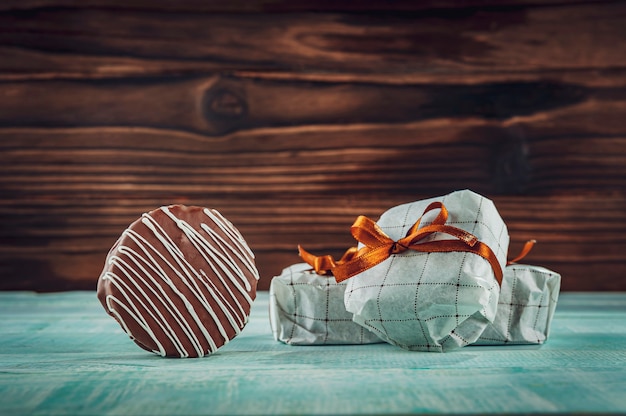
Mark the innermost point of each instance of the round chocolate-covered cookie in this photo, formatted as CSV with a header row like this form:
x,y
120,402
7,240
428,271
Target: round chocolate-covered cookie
x,y
180,281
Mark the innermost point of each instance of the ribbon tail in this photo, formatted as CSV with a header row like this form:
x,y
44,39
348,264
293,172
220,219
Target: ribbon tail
x,y
306,256
321,264
528,246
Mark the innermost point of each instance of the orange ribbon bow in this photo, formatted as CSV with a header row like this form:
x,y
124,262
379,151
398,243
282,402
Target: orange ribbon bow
x,y
378,246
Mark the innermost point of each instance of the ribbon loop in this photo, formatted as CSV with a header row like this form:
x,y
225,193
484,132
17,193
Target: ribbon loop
x,y
369,233
378,246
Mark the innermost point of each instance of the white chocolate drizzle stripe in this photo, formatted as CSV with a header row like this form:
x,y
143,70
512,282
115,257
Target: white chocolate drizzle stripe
x,y
230,229
237,238
196,239
165,326
247,262
136,315
231,310
230,292
169,245
232,265
220,259
150,262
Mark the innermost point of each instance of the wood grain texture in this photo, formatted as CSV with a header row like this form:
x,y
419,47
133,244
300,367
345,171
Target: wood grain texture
x,y
283,6
292,123
116,42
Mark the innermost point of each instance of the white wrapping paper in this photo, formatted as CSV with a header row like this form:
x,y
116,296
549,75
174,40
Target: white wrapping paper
x,y
432,301
308,309
526,306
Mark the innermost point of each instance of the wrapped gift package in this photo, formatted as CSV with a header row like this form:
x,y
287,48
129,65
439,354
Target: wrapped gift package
x,y
526,306
434,294
307,309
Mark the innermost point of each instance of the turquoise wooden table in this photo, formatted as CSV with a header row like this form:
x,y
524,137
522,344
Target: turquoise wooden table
x,y
61,354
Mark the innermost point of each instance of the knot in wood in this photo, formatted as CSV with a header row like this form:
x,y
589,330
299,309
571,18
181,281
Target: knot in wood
x,y
225,102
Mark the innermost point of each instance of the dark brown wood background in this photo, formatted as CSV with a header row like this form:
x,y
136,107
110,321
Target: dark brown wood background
x,y
292,119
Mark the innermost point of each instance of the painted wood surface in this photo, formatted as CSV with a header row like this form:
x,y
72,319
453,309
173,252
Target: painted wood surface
x,y
292,119
62,354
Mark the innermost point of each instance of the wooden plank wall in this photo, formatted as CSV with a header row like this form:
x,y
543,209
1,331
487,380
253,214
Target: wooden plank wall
x,y
292,119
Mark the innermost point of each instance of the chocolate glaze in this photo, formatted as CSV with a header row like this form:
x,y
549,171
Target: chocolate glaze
x,y
180,281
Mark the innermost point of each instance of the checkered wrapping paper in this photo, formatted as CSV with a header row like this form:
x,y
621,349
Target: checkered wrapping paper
x,y
308,309
432,301
526,306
